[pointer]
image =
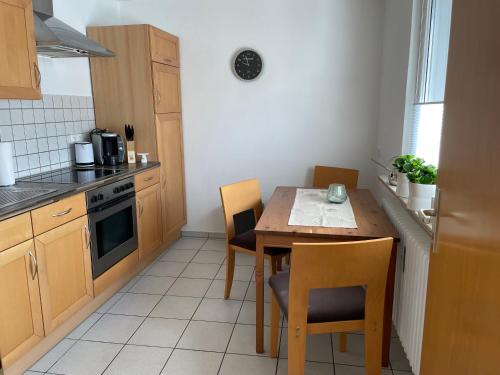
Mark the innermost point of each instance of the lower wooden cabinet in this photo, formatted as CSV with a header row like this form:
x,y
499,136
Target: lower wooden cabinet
x,y
170,153
149,220
65,271
21,325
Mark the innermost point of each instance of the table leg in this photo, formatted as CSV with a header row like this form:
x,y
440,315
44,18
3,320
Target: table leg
x,y
389,299
259,284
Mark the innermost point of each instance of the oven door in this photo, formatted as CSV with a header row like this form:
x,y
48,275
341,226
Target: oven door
x,y
113,233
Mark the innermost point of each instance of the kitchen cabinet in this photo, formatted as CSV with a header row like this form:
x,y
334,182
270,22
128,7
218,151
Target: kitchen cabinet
x,y
166,82
169,133
15,230
19,72
21,324
65,271
149,219
146,179
141,86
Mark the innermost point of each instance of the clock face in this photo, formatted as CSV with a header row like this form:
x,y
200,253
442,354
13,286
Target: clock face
x,y
247,64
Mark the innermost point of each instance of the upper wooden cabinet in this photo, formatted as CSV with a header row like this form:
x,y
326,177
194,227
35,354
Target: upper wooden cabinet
x,y
65,271
21,325
19,73
167,90
164,47
149,220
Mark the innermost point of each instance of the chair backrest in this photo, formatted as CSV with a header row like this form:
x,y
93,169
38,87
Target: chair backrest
x,y
324,176
341,264
237,198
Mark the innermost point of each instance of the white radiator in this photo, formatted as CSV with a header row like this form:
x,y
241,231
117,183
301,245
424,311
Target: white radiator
x,y
412,268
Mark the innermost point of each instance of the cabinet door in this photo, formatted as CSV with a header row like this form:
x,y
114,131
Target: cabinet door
x,y
19,73
21,325
149,221
65,271
166,86
164,47
170,152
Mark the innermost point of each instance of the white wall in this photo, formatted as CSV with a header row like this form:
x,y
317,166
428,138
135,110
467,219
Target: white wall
x,y
395,58
71,76
315,103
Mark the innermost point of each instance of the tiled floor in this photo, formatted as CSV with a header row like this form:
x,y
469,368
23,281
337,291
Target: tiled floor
x,y
173,320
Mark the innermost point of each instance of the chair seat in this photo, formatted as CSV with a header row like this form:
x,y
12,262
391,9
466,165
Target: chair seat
x,y
325,305
247,240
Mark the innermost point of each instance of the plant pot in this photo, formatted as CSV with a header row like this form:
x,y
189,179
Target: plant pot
x,y
420,197
402,187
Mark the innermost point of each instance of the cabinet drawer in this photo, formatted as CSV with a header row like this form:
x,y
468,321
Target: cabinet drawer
x,y
146,179
15,230
164,47
56,214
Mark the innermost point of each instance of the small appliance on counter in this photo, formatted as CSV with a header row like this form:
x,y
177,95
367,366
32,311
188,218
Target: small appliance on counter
x,y
7,177
108,147
84,154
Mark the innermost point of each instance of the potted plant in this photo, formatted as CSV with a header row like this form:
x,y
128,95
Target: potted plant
x,y
405,164
422,187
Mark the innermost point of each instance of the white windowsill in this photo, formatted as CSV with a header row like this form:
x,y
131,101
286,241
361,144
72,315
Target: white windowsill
x,y
404,202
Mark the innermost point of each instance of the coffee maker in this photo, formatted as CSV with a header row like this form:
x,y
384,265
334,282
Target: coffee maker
x,y
108,147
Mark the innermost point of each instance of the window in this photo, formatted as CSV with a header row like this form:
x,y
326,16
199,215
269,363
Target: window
x,y
428,62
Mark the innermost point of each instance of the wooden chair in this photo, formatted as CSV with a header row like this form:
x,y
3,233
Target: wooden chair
x,y
242,206
324,176
332,288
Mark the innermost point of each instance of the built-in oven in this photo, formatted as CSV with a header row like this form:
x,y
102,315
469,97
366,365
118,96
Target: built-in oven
x,y
113,224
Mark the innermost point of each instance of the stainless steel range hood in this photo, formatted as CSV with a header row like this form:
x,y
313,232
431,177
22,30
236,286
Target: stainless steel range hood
x,y
56,39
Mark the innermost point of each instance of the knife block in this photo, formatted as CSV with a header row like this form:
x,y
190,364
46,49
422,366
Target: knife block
x,y
131,152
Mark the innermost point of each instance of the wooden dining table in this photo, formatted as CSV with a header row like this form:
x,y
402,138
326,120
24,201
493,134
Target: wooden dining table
x,y
272,230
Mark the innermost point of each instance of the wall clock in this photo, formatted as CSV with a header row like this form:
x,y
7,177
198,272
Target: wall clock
x,y
247,64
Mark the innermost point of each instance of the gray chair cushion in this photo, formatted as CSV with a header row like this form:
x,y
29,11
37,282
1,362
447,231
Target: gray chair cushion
x,y
248,241
325,305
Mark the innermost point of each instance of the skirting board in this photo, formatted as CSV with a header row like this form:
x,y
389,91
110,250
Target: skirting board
x,y
195,234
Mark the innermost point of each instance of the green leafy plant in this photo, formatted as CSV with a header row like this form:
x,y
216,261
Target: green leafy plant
x,y
407,163
424,175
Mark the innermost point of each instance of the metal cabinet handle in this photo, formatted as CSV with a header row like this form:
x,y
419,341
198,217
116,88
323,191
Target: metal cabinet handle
x,y
87,236
34,270
63,213
141,208
37,75
167,60
158,96
148,179
437,203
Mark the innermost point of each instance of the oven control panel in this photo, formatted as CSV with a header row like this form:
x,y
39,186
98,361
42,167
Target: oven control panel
x,y
110,192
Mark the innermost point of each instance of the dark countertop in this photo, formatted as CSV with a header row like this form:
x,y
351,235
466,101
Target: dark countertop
x,y
66,190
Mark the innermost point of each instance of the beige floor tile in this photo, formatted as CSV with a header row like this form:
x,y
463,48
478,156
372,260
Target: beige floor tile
x,y
397,356
241,273
143,360
247,314
174,255
310,368
355,370
209,257
355,353
187,243
208,336
250,296
189,287
135,304
201,271
79,331
109,303
218,310
152,285
397,372
247,365
215,245
113,328
176,307
243,340
159,332
318,347
48,360
238,290
86,358
130,284
171,269
190,362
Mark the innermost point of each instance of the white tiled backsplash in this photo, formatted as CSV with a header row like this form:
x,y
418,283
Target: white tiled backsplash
x,y
43,131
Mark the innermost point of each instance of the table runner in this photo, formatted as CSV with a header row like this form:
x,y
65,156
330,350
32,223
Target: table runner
x,y
312,209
